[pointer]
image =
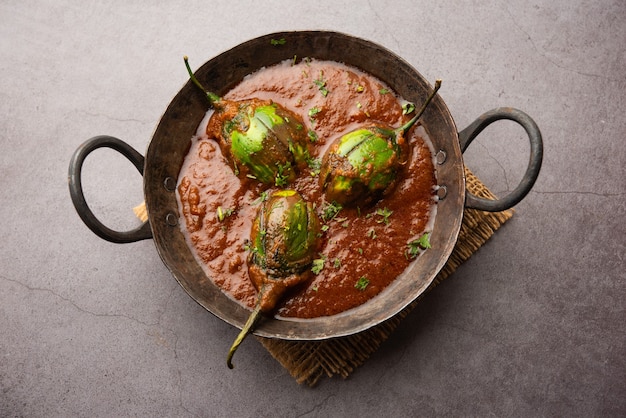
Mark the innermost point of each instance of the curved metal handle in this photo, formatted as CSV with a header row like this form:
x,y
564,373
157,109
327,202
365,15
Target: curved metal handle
x,y
467,135
76,189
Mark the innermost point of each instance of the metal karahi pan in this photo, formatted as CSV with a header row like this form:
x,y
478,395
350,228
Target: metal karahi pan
x,y
170,143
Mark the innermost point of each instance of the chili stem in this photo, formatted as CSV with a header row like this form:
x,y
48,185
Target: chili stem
x,y
410,123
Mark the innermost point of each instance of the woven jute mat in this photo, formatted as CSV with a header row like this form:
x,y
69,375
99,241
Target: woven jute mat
x,y
308,361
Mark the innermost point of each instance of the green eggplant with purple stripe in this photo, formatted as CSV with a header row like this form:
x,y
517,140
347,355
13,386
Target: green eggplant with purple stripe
x,y
362,165
261,139
284,240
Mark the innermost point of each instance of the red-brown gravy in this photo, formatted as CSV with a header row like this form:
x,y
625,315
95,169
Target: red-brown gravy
x,y
368,243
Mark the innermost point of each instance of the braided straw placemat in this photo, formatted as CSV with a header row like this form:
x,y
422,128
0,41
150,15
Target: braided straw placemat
x,y
308,361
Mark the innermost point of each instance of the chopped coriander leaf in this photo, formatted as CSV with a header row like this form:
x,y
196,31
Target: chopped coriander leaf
x,y
312,135
331,210
315,165
337,263
321,84
224,213
408,108
276,42
318,265
313,112
412,251
424,241
385,213
362,283
282,176
383,91
415,247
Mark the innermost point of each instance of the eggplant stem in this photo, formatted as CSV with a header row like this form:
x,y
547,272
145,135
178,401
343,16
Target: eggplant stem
x,y
247,329
410,123
211,96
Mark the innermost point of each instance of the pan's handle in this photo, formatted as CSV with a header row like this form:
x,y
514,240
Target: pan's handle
x,y
467,135
76,189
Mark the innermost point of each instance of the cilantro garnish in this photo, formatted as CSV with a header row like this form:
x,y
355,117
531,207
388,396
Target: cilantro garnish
x,y
385,213
282,177
315,164
362,283
331,210
313,112
318,265
415,247
321,84
224,213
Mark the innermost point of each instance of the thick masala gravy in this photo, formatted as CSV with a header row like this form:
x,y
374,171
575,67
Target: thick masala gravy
x,y
363,248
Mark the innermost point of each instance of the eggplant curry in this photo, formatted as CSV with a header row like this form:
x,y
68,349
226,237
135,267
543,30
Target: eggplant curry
x,y
309,187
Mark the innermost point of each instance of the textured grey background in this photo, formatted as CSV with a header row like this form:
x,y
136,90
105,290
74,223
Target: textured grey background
x,y
532,325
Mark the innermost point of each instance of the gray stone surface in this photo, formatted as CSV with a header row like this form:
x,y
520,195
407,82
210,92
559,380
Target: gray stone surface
x,y
531,325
